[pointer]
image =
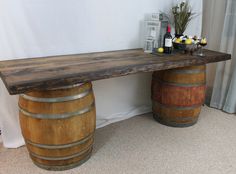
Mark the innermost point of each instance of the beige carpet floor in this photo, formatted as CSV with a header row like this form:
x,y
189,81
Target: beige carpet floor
x,y
142,146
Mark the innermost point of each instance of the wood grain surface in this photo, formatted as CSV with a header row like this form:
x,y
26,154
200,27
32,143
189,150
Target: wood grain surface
x,y
24,75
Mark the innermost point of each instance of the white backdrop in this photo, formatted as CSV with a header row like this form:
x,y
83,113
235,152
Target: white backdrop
x,y
42,28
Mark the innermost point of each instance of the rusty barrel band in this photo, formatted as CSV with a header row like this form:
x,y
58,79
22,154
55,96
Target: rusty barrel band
x,y
65,167
163,82
61,146
57,99
64,157
185,118
192,71
173,124
154,103
58,116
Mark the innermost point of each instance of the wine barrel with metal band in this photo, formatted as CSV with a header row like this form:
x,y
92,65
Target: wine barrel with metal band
x,y
178,95
58,125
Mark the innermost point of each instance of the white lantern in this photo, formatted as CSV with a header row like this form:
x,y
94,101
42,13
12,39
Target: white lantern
x,y
152,29
155,28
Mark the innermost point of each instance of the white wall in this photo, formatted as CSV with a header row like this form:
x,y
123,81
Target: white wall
x,y
41,27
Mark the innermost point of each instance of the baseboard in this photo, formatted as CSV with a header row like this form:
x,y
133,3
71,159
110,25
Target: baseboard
x,y
123,116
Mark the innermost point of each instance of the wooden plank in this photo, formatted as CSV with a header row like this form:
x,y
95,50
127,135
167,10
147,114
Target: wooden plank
x,y
24,75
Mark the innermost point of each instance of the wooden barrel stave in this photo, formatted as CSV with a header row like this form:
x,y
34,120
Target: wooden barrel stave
x,y
176,116
178,94
61,164
60,150
57,107
58,129
42,127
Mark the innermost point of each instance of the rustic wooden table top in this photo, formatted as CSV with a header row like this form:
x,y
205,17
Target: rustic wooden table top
x,y
24,75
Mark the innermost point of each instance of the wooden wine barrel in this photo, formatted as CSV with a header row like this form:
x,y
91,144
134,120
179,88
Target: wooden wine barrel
x,y
178,95
58,125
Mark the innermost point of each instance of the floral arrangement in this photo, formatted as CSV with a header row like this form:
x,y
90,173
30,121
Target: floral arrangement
x,y
182,15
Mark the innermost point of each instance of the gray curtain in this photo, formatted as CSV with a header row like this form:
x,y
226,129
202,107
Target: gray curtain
x,y
224,88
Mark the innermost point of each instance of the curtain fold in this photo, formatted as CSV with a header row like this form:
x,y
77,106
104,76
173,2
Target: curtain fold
x,y
224,93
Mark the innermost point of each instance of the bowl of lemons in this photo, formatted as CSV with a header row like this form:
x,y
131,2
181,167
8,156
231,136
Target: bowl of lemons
x,y
187,44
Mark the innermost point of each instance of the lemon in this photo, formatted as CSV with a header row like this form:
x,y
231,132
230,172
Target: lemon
x,y
178,40
188,41
203,41
160,50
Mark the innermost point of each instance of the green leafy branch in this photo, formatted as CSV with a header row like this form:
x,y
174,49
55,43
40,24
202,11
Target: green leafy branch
x,y
182,14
